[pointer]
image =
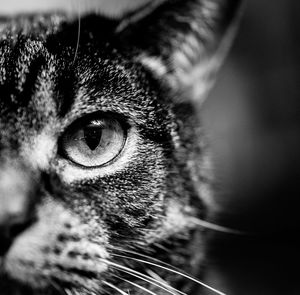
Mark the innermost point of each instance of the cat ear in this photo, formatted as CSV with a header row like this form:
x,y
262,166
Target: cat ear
x,y
182,42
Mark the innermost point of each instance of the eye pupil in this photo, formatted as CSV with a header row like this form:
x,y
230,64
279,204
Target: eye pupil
x,y
92,136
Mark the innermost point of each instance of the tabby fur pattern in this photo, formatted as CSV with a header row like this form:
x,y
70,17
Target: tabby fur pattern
x,y
67,229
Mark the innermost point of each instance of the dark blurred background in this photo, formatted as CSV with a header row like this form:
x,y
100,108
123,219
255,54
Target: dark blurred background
x,y
253,120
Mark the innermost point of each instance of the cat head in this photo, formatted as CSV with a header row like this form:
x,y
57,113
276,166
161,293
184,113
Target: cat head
x,y
102,159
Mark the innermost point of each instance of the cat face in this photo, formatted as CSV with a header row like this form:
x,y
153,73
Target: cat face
x,y
100,148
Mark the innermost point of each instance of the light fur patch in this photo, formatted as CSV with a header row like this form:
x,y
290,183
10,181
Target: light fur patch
x,y
14,187
194,79
154,64
39,151
177,220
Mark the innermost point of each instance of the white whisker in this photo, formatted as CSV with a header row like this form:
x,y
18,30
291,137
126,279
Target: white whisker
x,y
78,35
156,277
137,285
216,227
114,287
164,286
144,256
175,272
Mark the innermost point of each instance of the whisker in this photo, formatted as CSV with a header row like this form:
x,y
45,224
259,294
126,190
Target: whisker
x,y
156,277
78,34
144,256
114,287
216,227
173,271
164,286
137,285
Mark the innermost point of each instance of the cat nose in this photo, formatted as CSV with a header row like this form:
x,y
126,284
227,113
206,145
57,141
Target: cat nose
x,y
16,203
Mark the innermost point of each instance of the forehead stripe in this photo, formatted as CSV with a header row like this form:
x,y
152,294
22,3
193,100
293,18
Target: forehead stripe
x,y
21,68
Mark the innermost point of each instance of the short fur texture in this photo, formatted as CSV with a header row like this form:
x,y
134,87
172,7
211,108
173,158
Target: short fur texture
x,y
66,229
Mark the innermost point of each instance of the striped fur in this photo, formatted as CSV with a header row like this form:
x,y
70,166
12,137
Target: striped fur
x,y
79,225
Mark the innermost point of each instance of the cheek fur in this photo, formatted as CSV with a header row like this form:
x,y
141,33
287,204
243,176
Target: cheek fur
x,y
56,244
127,200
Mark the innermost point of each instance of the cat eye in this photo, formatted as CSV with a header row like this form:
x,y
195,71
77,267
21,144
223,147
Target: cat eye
x,y
95,142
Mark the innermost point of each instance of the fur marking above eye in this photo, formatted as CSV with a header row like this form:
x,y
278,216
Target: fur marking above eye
x,y
94,143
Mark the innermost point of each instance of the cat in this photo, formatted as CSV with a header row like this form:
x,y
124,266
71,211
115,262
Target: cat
x,y
105,175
